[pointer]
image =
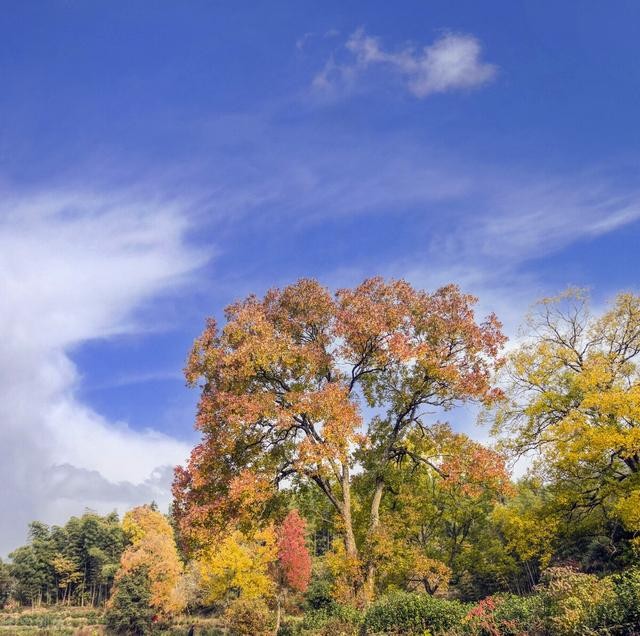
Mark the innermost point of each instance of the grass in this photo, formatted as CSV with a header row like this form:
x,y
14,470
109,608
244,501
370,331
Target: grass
x,y
53,621
83,621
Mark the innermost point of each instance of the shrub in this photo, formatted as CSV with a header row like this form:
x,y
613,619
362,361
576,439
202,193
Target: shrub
x,y
406,613
505,615
290,626
337,620
249,616
573,602
338,626
318,595
129,611
622,614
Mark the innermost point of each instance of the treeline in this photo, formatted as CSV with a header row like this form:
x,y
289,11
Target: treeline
x,y
328,496
71,564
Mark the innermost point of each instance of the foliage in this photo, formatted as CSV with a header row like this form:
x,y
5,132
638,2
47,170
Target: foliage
x,y
623,615
239,566
53,621
6,584
335,620
294,559
129,610
153,550
281,386
346,574
411,613
318,595
325,500
573,600
190,587
246,616
434,514
74,562
574,401
505,615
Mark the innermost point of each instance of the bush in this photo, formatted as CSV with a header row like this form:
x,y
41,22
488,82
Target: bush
x,y
290,626
318,595
622,614
249,616
406,613
574,602
337,620
128,611
505,614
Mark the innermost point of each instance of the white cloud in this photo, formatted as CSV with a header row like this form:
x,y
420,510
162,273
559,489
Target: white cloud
x,y
74,267
476,214
536,216
452,62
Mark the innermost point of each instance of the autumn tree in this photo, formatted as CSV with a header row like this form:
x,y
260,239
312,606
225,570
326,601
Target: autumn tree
x,y
528,527
574,403
435,511
239,565
67,573
284,382
152,551
294,560
293,570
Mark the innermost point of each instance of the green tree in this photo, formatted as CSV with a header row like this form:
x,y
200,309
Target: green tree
x,y
129,610
33,569
7,583
74,563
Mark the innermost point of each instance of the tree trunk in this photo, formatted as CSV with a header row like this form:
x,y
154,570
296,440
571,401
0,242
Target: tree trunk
x,y
374,522
349,537
278,615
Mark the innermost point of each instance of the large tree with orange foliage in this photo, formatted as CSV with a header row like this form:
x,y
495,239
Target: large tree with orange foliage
x,y
284,382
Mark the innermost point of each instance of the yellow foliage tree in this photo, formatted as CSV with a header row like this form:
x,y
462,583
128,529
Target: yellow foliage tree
x,y
574,399
442,489
239,565
628,511
527,529
67,573
153,548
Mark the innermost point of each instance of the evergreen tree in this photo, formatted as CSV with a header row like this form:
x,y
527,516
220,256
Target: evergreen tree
x,y
129,610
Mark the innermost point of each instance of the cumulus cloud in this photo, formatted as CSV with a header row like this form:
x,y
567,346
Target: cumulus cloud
x,y
75,267
452,62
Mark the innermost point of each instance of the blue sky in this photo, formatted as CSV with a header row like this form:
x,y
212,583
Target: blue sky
x,y
159,160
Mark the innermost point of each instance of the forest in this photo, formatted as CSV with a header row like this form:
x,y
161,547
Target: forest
x,y
334,491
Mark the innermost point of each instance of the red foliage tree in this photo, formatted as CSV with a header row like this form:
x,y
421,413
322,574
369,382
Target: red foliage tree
x,y
294,559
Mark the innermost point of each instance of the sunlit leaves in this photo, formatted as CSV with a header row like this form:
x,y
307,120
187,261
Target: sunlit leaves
x,y
294,560
283,381
239,565
153,550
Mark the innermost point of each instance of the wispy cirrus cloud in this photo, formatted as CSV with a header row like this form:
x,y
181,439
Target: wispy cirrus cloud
x,y
472,222
471,212
452,62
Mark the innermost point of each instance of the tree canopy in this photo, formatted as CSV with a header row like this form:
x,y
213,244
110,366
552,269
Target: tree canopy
x,y
285,382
